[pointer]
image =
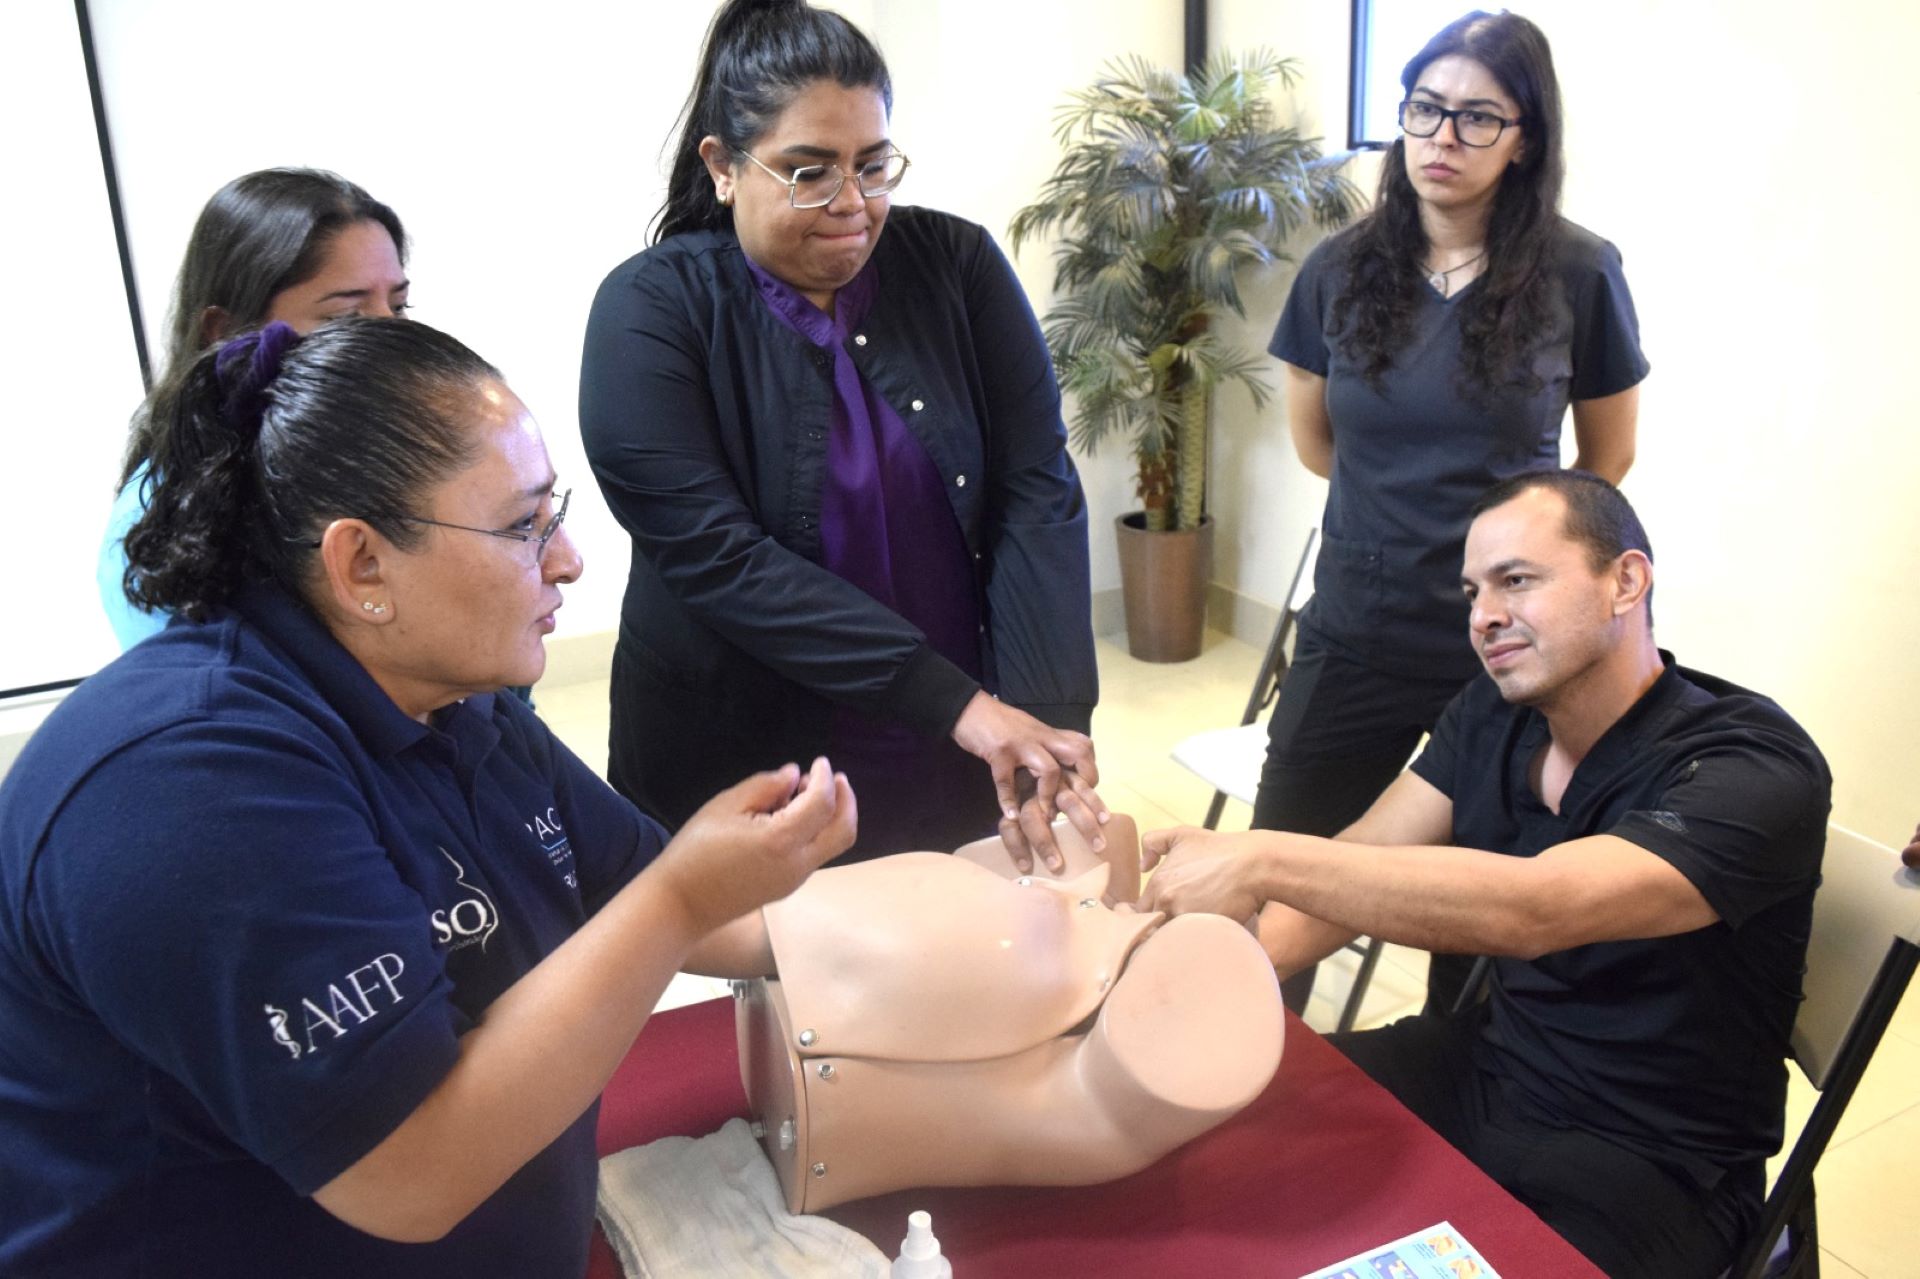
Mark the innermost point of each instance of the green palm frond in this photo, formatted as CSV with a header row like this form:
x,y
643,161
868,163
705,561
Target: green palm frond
x,y
1169,189
1214,263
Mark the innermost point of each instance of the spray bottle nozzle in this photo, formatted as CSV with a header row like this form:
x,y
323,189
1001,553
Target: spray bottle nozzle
x,y
920,1252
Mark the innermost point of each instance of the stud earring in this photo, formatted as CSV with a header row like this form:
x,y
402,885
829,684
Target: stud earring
x,y
373,608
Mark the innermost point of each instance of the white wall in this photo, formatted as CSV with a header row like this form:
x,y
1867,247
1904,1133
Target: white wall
x,y
72,376
1744,158
1262,499
521,144
522,147
976,87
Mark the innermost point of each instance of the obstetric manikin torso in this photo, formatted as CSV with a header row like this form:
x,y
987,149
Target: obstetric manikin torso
x,y
943,1021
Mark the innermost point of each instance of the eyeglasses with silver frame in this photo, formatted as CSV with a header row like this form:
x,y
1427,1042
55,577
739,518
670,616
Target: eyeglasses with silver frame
x,y
814,186
1474,127
538,540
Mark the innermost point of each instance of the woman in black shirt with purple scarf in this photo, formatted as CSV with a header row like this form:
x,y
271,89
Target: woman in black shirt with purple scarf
x,y
840,456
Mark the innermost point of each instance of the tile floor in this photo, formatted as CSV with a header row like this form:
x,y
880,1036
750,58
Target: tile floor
x,y
1869,1224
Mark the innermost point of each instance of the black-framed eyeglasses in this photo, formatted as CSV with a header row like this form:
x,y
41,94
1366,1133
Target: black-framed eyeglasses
x,y
1474,127
814,186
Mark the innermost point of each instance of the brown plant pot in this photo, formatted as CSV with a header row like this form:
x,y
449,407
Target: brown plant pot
x,y
1163,582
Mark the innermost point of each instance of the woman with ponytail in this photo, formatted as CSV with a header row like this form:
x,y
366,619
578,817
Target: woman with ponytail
x,y
832,430
299,246
314,953
1432,349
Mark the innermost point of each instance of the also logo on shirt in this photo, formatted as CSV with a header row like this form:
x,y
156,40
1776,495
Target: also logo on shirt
x,y
469,921
354,1000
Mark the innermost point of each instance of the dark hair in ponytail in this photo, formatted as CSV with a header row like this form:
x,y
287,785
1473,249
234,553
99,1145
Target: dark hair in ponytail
x,y
258,236
264,441
758,56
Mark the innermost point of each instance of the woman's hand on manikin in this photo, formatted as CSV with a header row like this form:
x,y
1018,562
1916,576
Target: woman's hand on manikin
x,y
1038,771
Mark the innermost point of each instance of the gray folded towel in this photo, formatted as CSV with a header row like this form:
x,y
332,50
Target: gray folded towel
x,y
683,1207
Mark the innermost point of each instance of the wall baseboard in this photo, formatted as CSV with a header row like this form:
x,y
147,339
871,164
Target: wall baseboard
x,y
579,659
584,657
1246,619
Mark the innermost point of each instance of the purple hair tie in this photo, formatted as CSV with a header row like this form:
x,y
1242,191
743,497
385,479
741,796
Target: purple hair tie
x,y
247,366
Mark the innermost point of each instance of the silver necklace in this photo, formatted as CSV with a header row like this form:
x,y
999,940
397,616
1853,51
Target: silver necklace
x,y
1438,278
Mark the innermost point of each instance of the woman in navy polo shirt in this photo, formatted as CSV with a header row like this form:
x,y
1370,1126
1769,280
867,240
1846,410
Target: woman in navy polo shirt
x,y
833,431
1432,349
314,953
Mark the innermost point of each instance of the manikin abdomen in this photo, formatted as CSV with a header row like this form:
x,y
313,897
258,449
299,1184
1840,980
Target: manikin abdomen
x,y
924,957
937,1024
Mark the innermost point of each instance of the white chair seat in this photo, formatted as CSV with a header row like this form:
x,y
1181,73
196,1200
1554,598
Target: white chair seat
x,y
1865,898
1227,759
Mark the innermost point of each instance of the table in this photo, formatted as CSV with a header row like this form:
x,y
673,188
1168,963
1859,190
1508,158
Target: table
x,y
1322,1165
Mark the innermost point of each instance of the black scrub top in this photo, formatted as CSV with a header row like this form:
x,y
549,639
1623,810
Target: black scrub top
x,y
1413,452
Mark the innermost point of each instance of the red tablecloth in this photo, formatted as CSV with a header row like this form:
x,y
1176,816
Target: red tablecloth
x,y
1324,1164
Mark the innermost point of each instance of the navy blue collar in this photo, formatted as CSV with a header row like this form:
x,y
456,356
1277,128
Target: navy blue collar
x,y
351,690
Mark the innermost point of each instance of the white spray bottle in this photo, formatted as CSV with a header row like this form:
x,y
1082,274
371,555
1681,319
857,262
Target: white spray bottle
x,y
920,1252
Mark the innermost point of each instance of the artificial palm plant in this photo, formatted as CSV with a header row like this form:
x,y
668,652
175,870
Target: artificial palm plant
x,y
1171,186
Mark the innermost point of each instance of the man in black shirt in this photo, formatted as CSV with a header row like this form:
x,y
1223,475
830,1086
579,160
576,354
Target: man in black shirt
x,y
1635,843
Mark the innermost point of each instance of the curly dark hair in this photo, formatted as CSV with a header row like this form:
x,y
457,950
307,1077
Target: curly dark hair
x,y
1501,321
758,56
265,440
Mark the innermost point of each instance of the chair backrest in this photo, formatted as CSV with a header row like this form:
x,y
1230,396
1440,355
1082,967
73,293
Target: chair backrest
x,y
1866,899
1266,681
